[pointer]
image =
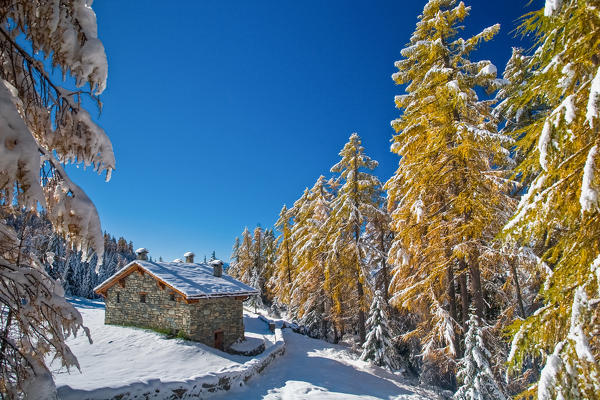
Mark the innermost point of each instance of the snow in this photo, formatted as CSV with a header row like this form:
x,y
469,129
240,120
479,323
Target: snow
x,y
142,361
189,254
19,155
489,69
594,97
551,7
191,279
549,374
589,192
314,369
543,144
576,334
595,268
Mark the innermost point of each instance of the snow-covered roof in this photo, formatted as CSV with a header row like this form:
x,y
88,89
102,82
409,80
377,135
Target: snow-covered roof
x,y
193,280
189,254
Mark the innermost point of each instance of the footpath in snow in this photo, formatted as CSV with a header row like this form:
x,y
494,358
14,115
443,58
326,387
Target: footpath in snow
x,y
130,362
315,369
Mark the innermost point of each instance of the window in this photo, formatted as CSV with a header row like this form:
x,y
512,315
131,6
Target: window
x,y
172,297
142,297
118,297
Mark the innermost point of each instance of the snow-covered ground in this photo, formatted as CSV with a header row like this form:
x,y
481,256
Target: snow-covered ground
x,y
123,355
309,369
314,369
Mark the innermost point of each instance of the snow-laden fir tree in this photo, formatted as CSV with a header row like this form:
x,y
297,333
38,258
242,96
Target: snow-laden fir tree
x,y
281,280
44,124
559,216
477,380
358,197
448,196
379,347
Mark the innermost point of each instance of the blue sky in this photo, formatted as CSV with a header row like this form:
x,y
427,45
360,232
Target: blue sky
x,y
222,111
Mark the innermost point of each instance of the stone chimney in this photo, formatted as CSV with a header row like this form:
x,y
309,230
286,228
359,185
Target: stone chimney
x,y
189,257
142,254
217,267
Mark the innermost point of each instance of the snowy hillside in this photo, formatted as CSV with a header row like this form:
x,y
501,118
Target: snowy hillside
x,y
310,368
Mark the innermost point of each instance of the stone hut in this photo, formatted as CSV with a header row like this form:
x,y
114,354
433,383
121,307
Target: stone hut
x,y
196,300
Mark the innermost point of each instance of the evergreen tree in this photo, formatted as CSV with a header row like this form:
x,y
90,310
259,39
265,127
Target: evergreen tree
x,y
357,198
559,215
478,381
379,347
448,196
213,256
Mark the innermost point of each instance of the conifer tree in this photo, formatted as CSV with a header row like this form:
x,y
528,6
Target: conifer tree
x,y
242,267
235,251
379,347
283,274
559,215
357,199
270,253
44,126
309,300
447,198
478,381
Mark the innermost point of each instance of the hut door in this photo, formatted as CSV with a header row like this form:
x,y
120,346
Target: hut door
x,y
219,340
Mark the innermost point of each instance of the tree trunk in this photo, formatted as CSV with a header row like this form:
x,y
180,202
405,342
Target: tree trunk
x,y
513,269
476,286
359,287
464,293
384,271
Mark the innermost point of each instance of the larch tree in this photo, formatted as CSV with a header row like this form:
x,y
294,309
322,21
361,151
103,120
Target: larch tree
x,y
281,281
559,216
448,198
43,125
242,267
357,198
310,301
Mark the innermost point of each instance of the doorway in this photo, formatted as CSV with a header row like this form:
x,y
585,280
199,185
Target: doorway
x,y
219,340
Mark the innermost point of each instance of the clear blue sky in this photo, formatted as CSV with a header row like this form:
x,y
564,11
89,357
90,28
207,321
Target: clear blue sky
x,y
222,111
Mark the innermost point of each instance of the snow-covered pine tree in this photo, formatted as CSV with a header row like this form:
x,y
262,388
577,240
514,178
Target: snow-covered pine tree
x,y
283,275
379,347
213,256
44,124
477,380
447,198
357,198
559,216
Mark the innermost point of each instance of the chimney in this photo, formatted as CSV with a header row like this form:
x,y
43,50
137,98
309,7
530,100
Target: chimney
x,y
217,268
189,257
142,254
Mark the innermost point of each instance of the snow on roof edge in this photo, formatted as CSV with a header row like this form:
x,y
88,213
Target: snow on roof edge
x,y
188,296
